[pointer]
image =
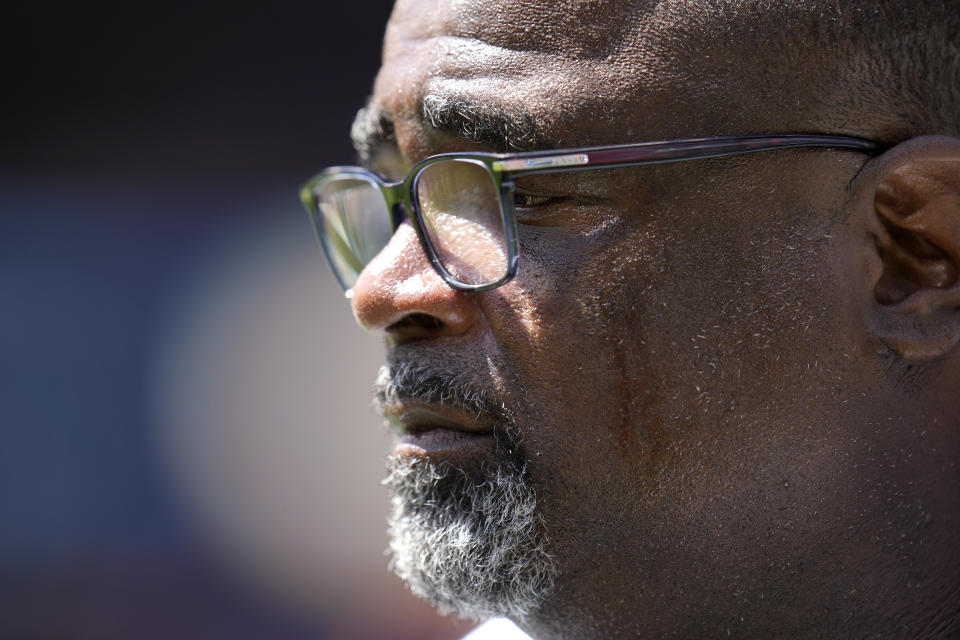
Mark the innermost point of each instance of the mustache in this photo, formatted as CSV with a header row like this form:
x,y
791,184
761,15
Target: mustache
x,y
397,381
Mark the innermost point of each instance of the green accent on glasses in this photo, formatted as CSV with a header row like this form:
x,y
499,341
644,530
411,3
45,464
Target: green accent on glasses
x,y
461,204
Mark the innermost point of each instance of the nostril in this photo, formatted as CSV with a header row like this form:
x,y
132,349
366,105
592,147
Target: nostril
x,y
415,322
417,326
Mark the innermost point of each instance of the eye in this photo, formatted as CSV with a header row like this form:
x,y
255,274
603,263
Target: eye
x,y
551,206
540,209
526,200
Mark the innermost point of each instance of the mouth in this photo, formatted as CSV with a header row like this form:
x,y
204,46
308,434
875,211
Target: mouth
x,y
429,430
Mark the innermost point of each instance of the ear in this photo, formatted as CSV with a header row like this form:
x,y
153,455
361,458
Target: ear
x,y
915,225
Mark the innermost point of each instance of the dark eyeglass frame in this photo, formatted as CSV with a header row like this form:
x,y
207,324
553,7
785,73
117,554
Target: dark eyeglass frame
x,y
503,168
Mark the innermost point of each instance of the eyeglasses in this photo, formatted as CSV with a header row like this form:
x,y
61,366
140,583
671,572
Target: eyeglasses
x,y
461,205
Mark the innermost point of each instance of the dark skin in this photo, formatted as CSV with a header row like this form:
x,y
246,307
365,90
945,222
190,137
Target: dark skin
x,y
735,381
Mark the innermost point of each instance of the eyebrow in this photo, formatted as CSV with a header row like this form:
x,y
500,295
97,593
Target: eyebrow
x,y
372,130
502,129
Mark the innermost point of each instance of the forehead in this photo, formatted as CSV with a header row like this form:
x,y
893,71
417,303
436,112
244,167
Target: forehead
x,y
587,71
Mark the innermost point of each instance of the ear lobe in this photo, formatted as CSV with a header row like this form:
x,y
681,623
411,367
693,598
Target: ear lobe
x,y
916,234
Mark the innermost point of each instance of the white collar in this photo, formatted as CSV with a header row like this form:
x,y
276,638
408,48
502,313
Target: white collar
x,y
497,629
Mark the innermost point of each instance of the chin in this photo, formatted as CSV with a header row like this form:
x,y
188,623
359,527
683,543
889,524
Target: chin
x,y
472,546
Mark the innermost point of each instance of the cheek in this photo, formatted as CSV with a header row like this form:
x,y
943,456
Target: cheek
x,y
572,330
627,346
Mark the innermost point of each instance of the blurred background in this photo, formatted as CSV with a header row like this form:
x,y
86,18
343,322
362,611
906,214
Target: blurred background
x,y
187,448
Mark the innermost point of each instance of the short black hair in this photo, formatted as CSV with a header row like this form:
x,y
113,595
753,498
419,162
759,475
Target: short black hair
x,y
905,64
887,70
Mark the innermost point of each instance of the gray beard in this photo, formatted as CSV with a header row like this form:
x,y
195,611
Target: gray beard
x,y
473,548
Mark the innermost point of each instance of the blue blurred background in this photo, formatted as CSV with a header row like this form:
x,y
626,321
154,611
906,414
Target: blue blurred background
x,y
186,445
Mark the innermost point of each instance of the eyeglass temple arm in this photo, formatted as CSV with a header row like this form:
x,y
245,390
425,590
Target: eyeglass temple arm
x,y
656,152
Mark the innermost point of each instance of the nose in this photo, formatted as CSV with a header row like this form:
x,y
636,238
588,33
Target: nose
x,y
400,295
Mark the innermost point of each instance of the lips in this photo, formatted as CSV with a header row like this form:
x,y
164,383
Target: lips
x,y
439,432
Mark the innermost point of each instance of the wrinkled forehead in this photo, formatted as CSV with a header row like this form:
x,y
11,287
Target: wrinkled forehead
x,y
573,28
587,71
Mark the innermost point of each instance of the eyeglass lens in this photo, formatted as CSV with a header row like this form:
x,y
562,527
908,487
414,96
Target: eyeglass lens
x,y
460,210
355,224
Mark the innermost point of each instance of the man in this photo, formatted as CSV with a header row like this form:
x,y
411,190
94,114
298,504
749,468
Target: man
x,y
698,398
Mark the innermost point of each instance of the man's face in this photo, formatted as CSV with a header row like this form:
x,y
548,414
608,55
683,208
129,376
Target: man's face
x,y
676,358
